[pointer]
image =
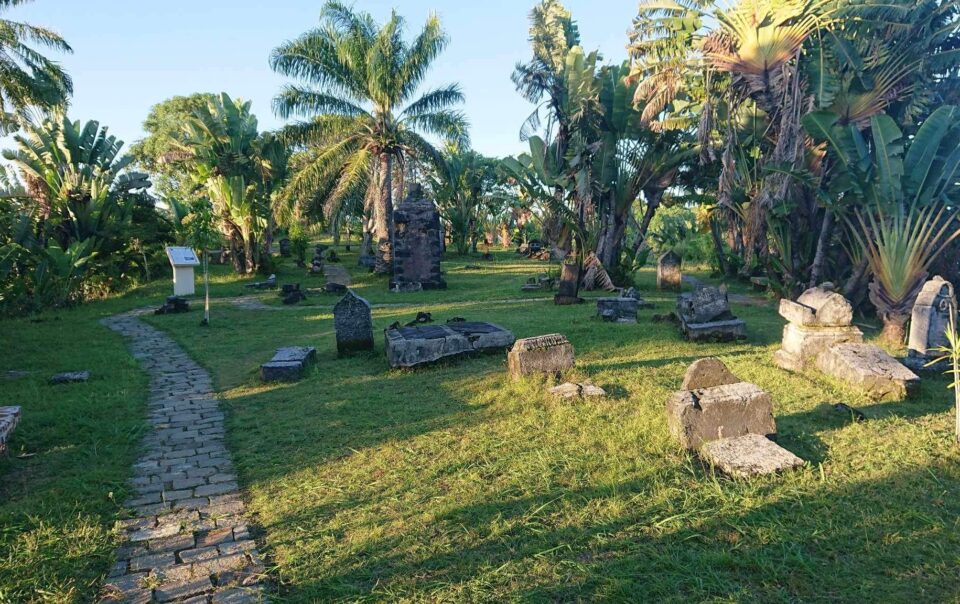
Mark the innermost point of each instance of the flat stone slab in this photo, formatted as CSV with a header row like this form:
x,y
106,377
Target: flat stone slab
x,y
802,344
573,391
715,331
9,418
618,310
748,456
551,354
870,368
288,364
422,345
699,416
70,377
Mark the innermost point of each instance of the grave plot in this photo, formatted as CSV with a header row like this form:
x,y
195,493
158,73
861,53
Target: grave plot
x,y
705,317
421,345
541,355
288,364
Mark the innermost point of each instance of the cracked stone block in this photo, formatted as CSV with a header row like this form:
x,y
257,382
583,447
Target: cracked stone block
x,y
801,345
618,310
574,391
425,344
550,354
698,416
748,456
870,368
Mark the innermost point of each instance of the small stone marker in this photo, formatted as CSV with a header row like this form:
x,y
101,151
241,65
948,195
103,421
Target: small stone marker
x,y
705,316
550,354
669,276
929,322
707,373
9,418
353,321
288,364
413,346
618,310
570,390
70,377
819,319
869,367
749,455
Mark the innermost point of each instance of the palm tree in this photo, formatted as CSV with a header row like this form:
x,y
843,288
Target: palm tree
x,y
28,80
360,116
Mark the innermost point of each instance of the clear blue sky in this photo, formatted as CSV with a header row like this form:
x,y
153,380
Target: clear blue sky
x,y
131,54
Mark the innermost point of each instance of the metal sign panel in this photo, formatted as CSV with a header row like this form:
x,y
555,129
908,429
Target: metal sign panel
x,y
182,256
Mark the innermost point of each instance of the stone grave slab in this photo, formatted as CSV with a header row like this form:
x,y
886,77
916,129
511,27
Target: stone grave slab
x,y
288,364
550,354
748,456
353,321
705,316
570,390
935,306
870,368
424,344
698,416
9,418
819,319
70,377
618,310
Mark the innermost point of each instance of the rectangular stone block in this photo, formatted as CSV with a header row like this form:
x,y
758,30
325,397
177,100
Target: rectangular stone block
x,y
748,456
288,364
870,368
801,345
416,346
550,354
698,416
618,310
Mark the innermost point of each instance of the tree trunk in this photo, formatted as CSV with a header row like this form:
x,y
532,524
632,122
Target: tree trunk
x,y
654,197
718,246
894,329
826,229
383,217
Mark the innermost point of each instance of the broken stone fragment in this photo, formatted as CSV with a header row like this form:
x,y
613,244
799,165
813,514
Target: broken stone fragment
x,y
70,377
748,456
571,391
870,368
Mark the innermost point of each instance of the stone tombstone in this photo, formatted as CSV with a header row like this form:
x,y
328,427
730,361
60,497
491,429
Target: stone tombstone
x,y
285,247
718,407
669,276
618,310
929,322
567,285
9,418
417,246
819,319
550,354
353,321
705,316
421,344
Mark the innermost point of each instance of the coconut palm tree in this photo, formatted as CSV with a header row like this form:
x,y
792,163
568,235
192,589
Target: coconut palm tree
x,y
359,109
28,80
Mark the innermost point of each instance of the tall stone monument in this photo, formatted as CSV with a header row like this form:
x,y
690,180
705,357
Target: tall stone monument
x,y
354,324
932,312
417,244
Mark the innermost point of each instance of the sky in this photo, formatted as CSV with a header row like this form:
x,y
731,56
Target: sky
x,y
131,54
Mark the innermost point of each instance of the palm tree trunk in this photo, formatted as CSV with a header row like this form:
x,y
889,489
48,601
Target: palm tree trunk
x,y
383,217
826,229
894,329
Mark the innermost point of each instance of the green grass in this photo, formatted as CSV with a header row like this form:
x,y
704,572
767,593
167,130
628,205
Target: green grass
x,y
452,483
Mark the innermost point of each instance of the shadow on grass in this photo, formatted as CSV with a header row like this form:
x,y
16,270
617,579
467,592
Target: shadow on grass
x,y
849,543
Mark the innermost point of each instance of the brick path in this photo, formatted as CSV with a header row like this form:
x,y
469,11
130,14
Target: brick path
x,y
188,541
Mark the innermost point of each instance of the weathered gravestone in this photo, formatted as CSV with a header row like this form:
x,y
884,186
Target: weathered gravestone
x,y
417,245
414,346
935,307
550,354
285,247
870,368
819,319
749,455
9,418
569,390
288,364
618,310
705,316
669,276
70,377
354,324
567,286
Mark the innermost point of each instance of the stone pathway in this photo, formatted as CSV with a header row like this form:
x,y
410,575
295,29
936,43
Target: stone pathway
x,y
188,541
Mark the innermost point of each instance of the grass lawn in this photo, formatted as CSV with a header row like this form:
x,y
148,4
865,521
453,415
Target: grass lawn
x,y
452,483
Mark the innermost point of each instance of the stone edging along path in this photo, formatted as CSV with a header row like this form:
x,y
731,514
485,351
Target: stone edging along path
x,y
188,541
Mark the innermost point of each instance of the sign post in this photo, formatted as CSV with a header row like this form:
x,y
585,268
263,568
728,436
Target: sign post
x,y
183,259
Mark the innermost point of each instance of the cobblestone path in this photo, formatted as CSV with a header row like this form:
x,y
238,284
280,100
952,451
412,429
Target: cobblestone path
x,y
188,541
